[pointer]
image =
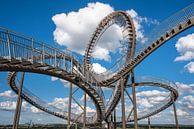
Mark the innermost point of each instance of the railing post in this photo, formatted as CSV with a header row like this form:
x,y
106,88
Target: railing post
x,y
64,62
87,78
8,45
55,58
134,100
19,104
69,108
71,65
43,53
32,56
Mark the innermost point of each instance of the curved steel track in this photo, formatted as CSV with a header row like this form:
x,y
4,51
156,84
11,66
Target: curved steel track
x,y
188,23
125,22
24,54
35,57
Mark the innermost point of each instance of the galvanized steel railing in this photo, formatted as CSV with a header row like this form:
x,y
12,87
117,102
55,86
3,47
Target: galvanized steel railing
x,y
165,26
15,46
162,104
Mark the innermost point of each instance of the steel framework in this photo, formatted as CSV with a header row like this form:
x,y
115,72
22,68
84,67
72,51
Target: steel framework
x,y
19,53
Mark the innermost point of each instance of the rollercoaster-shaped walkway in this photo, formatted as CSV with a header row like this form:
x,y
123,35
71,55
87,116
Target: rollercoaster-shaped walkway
x,y
19,53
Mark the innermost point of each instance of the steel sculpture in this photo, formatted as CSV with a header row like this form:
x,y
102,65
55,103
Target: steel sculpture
x,y
19,53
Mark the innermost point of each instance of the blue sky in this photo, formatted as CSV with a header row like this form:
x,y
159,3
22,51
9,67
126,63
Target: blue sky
x,y
36,19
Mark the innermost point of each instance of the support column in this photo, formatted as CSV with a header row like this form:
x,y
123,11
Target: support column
x,y
123,104
149,126
69,108
108,125
130,114
111,124
134,100
175,114
75,126
115,122
84,124
19,104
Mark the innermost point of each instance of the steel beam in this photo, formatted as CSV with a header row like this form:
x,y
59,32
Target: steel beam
x,y
75,90
115,121
134,100
69,108
175,114
128,95
132,103
123,104
78,103
149,126
19,104
84,123
108,125
75,126
130,114
111,125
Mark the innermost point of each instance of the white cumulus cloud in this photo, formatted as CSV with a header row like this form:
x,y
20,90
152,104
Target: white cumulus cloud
x,y
180,113
87,98
54,78
190,67
8,94
97,68
101,53
35,110
138,27
65,83
11,105
152,93
185,46
144,103
188,55
185,88
60,103
8,105
75,28
188,101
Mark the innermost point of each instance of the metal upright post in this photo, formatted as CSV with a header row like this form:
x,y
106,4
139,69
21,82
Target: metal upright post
x,y
112,124
108,125
55,58
175,114
123,104
130,114
134,100
43,53
75,126
69,109
32,56
19,104
149,126
84,124
71,65
8,45
115,124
